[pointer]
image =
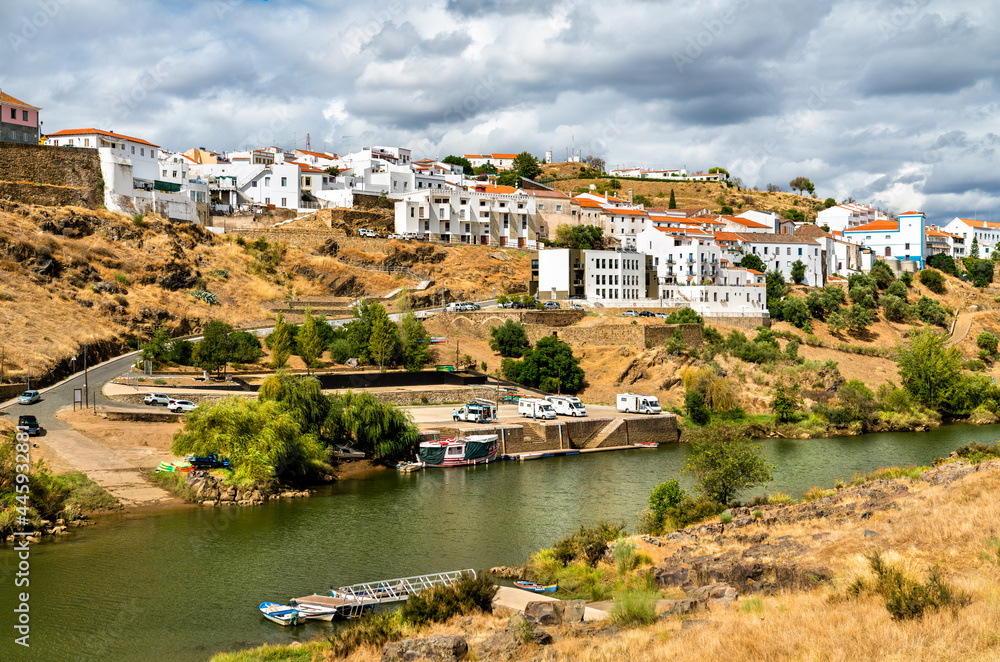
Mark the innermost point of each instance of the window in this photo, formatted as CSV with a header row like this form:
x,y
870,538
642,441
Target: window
x,y
284,202
765,250
142,151
308,181
13,113
541,207
788,251
907,246
284,181
86,142
558,207
413,211
133,149
800,250
267,181
253,184
175,173
24,115
164,173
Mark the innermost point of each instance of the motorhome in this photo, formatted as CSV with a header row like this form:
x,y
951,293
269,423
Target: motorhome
x,y
567,405
475,412
536,408
638,404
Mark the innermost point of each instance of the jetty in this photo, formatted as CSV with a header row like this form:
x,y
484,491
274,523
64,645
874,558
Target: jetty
x,y
351,601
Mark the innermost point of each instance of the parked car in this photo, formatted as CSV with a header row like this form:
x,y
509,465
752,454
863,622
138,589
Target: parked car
x,y
575,306
551,305
646,313
663,316
28,398
365,232
181,405
27,423
395,236
156,399
630,313
210,461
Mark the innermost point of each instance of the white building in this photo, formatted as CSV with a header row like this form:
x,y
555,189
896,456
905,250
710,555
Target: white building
x,y
499,161
140,154
597,275
940,241
848,215
781,251
986,234
277,185
902,239
469,217
742,224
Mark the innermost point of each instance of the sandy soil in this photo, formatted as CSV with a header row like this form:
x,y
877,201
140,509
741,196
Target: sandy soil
x,y
144,444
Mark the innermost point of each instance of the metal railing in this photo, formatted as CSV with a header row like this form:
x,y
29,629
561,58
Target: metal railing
x,y
362,596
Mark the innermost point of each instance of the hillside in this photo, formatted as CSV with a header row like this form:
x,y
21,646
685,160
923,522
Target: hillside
x,y
686,194
70,276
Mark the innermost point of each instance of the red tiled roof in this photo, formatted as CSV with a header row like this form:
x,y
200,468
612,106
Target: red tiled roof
x,y
12,101
490,188
587,202
875,226
745,222
754,271
911,213
627,212
973,223
504,156
88,132
727,236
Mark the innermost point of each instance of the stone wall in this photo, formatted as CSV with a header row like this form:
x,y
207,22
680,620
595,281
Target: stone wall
x,y
749,322
576,433
433,396
304,238
53,176
639,336
8,391
478,323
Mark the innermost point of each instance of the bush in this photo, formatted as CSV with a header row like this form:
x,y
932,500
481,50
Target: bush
x,y
691,511
509,339
697,411
976,452
931,312
897,288
896,308
932,280
942,262
882,274
980,271
817,493
371,629
684,316
588,544
975,365
905,597
436,605
784,405
796,312
634,607
988,342
726,518
341,350
906,279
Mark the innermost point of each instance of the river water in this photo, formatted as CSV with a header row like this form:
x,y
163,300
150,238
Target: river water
x,y
184,585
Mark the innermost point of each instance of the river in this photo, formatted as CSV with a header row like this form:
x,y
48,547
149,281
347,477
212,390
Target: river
x,y
184,585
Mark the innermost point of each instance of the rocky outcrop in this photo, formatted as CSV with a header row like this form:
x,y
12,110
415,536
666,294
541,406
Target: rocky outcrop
x,y
506,644
177,276
209,491
443,648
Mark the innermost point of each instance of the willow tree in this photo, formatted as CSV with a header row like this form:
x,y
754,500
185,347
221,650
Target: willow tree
x,y
262,439
373,427
302,396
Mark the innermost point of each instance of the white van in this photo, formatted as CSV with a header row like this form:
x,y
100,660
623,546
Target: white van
x,y
365,232
638,404
535,408
567,405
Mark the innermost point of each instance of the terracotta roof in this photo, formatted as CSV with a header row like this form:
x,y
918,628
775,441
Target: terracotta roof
x,y
768,238
938,232
12,101
875,226
745,222
89,132
754,271
627,212
587,202
504,156
490,188
911,213
727,236
317,154
973,223
810,230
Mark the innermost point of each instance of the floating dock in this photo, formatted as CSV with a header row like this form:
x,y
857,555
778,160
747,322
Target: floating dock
x,y
351,601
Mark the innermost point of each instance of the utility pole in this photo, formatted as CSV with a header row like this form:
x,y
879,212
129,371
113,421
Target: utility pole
x,y
86,392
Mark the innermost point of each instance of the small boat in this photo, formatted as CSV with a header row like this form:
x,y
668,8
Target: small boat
x,y
406,467
536,588
281,614
466,451
170,467
530,456
646,444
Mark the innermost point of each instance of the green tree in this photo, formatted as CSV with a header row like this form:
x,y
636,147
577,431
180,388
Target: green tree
x,y
485,169
716,169
359,330
155,350
301,396
509,339
980,271
836,323
181,352
942,262
585,237
697,410
512,179
372,427
801,184
245,347
775,291
974,248
798,271
684,316
309,343
932,280
384,338
931,312
280,343
459,160
213,352
527,166
673,201
895,309
882,274
859,317
614,184
796,312
415,343
725,463
550,359
332,170
261,438
754,262
784,405
829,202
928,368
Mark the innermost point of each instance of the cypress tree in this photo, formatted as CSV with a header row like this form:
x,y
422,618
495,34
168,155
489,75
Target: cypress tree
x,y
673,202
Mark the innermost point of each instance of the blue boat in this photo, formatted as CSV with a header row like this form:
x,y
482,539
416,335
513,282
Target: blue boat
x,y
536,588
280,614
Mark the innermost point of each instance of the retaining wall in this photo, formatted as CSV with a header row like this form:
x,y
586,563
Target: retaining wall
x,y
52,176
749,323
477,323
661,428
8,391
632,335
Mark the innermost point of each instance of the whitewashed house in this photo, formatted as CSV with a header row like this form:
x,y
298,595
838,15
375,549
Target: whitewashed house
x,y
986,234
902,239
468,217
848,215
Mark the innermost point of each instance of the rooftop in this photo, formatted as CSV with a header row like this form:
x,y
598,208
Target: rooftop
x,y
875,226
12,101
90,132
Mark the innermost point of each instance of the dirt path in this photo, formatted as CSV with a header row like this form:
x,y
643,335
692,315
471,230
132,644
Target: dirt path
x,y
106,467
962,326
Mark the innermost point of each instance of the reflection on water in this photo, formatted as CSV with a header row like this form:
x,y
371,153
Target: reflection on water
x,y
184,585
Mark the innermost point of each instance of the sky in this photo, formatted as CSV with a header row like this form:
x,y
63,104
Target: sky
x,y
890,103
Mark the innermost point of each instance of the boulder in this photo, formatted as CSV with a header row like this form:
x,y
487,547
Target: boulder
x,y
176,277
716,596
572,611
677,607
443,648
543,613
672,576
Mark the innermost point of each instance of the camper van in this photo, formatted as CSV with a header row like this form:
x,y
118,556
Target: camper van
x,y
475,412
567,405
536,408
638,404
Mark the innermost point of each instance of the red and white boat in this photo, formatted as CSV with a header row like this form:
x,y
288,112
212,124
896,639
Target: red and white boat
x,y
474,449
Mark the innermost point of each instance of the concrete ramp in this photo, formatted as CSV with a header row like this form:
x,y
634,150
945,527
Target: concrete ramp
x,y
602,436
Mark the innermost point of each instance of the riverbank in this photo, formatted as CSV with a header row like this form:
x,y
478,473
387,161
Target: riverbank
x,y
773,581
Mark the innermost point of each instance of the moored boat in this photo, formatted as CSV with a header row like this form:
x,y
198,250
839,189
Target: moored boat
x,y
280,614
462,452
536,588
410,466
646,444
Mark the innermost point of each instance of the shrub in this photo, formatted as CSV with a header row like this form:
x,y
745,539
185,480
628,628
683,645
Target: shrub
x,y
980,271
976,452
942,262
588,544
757,514
509,339
634,607
817,493
897,288
625,557
137,219
438,604
684,316
895,308
753,605
796,312
932,280
988,342
906,279
372,629
931,312
691,511
882,274
975,365
904,596
121,278
726,518
697,411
